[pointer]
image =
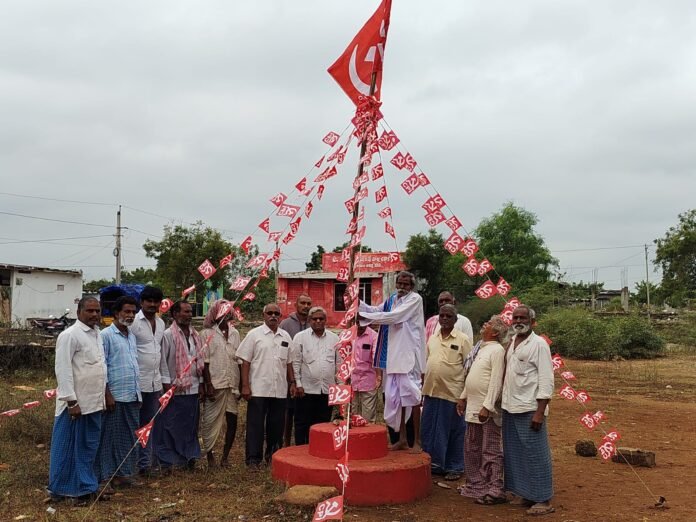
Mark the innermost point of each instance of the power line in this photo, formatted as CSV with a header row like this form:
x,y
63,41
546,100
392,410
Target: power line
x,y
57,199
49,240
594,249
56,220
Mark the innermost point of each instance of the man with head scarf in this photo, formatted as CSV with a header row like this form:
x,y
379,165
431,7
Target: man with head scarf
x,y
221,379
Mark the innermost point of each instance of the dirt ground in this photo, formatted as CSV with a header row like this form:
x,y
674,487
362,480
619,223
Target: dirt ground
x,y
651,403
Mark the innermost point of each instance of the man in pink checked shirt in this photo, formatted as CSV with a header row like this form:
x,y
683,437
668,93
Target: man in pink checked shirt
x,y
366,379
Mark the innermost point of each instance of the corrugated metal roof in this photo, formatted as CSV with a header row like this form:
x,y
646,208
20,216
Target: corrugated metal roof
x,y
39,269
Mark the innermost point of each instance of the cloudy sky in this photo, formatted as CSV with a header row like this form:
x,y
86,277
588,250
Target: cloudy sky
x,y
581,112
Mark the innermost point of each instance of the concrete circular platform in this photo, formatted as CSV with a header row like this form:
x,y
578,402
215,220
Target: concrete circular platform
x,y
394,477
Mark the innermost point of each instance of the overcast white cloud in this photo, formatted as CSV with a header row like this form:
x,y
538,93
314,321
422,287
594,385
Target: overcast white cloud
x,y
581,112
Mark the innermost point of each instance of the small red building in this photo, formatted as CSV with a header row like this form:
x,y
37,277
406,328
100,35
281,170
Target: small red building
x,y
376,270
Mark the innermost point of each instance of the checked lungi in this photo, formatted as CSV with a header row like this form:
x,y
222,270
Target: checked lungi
x,y
117,446
483,457
527,456
442,435
74,445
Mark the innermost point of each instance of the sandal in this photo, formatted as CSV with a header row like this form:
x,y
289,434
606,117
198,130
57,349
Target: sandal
x,y
451,477
489,500
540,509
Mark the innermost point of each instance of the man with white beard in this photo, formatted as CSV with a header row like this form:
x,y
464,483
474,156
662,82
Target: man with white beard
x,y
123,397
527,389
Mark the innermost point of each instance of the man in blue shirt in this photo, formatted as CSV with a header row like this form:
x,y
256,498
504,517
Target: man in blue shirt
x,y
123,397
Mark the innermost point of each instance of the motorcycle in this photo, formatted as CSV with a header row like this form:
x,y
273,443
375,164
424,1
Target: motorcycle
x,y
53,325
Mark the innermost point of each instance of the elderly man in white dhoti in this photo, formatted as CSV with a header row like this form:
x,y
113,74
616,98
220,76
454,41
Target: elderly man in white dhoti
x,y
405,356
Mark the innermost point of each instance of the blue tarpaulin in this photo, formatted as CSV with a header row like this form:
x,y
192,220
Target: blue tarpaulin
x,y
109,294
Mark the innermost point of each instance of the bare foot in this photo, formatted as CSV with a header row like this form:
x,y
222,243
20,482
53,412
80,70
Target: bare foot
x,y
415,449
398,446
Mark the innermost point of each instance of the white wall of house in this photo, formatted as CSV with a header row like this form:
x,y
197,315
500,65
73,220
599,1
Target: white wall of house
x,y
37,293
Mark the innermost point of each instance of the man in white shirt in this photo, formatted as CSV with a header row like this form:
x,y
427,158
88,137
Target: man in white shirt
x,y
148,329
266,359
315,364
527,389
405,357
432,325
82,378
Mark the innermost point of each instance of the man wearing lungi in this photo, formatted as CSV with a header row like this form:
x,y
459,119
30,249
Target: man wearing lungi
x,y
182,366
527,389
405,357
81,375
221,376
123,397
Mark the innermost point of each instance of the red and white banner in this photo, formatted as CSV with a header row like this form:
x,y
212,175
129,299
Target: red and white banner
x,y
287,210
340,394
377,172
331,138
165,305
342,469
265,225
188,290
340,435
226,260
331,509
166,397
207,269
486,290
278,199
388,140
240,283
246,245
143,433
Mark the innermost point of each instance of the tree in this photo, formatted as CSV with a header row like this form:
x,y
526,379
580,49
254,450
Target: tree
x,y
315,259
181,251
519,255
426,256
140,275
92,287
357,248
676,255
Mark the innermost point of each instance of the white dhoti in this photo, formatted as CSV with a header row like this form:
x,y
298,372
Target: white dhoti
x,y
401,390
213,416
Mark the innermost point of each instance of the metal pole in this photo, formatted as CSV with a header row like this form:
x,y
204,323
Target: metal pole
x,y
647,280
117,250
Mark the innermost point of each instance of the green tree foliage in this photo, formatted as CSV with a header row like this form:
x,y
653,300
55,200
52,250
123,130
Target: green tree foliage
x,y
140,275
92,287
657,295
181,251
517,252
426,256
676,255
314,262
360,248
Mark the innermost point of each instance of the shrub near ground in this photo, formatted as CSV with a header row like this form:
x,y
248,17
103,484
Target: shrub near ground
x,y
580,334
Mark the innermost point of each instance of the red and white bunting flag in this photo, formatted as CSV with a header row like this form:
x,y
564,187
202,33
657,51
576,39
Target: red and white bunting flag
x,y
357,421
308,210
345,370
583,397
342,275
345,254
607,450
352,226
556,362
288,238
249,296
295,225
320,192
363,57
9,413
265,225
353,289
433,203
361,215
345,351
377,172
471,267
340,436
388,140
503,286
225,309
469,248
257,261
143,433
567,392
347,336
454,243
274,236
341,157
598,416
410,184
350,205
340,394
506,316
331,138
278,199
331,509
389,229
381,194
166,397
275,257
207,269
360,180
300,186
453,223
240,283
165,305
588,421
246,245
226,260
287,210
188,366
50,394
188,290
357,237
342,469
513,303
362,194
568,376
335,154
423,180
485,266
238,314
30,405
486,290
399,161
612,435
385,212
409,162
318,163
434,218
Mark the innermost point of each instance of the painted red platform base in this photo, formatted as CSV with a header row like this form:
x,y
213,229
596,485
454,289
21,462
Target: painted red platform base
x,y
377,475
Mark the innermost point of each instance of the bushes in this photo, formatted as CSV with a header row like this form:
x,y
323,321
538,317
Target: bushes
x,y
578,333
